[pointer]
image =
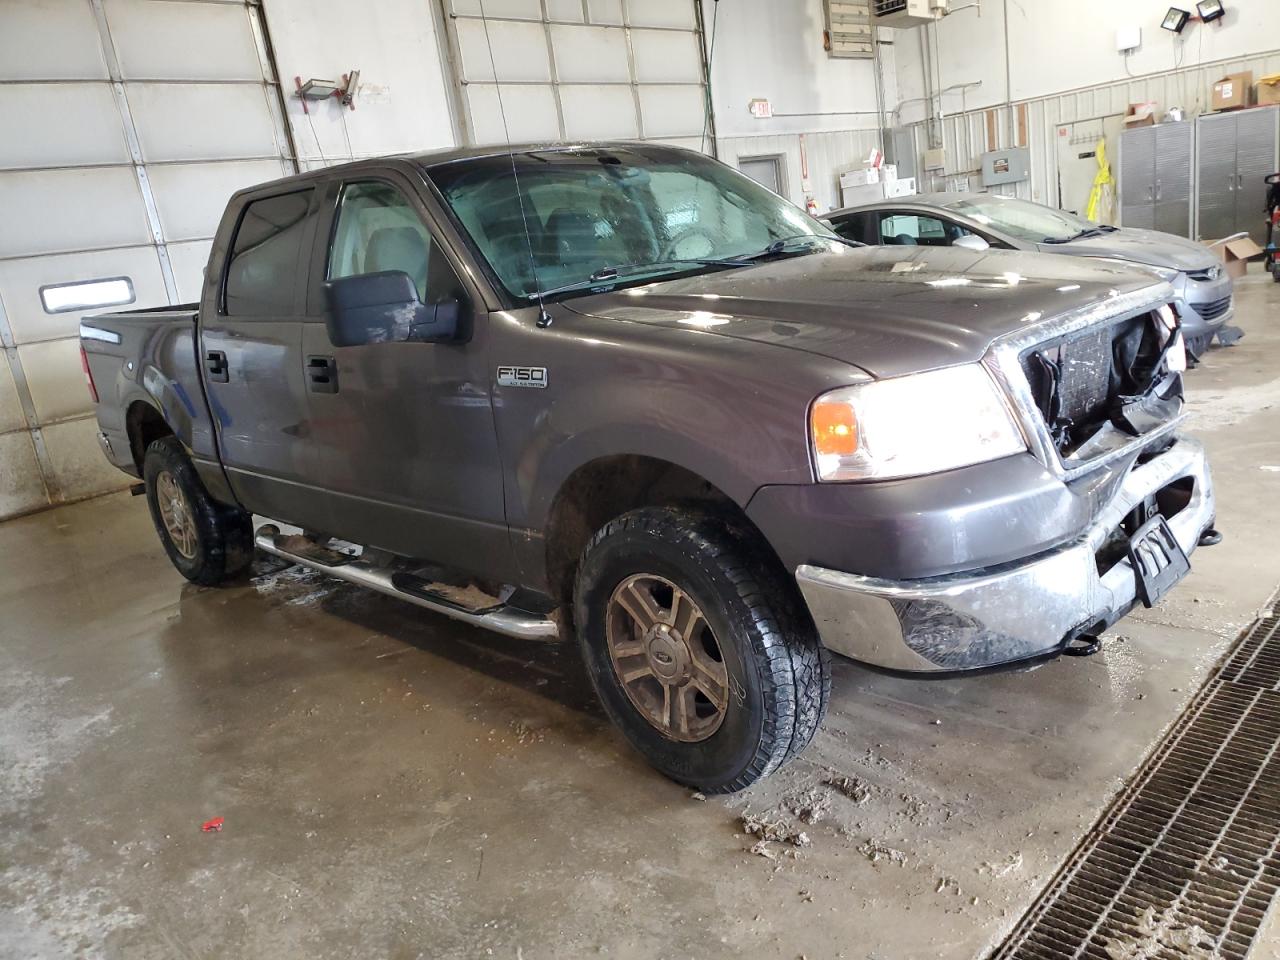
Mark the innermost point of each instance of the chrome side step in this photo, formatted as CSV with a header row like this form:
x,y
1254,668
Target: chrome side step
x,y
500,619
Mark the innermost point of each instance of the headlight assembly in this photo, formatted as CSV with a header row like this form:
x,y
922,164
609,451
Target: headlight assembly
x,y
909,426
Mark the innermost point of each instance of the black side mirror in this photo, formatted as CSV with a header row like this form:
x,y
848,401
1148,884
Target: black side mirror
x,y
384,308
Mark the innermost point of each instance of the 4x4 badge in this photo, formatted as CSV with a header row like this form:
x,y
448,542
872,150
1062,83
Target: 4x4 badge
x,y
535,377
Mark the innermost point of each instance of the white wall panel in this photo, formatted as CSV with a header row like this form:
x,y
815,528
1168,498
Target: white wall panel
x,y
530,112
21,488
79,467
21,280
666,56
672,111
49,40
661,13
59,124
519,51
519,9
570,10
599,112
590,54
189,260
605,11
197,121
191,197
56,379
53,210
183,40
11,415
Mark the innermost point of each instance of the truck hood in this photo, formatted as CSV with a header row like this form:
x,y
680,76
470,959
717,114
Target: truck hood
x,y
888,310
1148,247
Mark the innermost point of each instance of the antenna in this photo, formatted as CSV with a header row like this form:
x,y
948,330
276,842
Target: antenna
x,y
544,318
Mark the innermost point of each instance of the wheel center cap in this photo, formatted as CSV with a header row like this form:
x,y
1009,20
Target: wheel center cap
x,y
668,654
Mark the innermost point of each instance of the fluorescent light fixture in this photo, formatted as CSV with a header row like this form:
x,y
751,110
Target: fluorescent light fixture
x,y
1211,10
1176,19
86,294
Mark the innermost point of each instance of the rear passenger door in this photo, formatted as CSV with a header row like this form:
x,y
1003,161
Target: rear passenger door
x,y
403,434
251,350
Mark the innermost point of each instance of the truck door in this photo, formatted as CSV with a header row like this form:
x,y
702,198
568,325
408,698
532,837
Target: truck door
x,y
251,350
405,445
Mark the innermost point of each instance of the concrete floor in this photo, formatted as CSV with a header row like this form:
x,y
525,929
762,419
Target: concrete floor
x,y
395,785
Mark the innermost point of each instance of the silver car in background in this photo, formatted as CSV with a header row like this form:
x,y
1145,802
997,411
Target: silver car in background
x,y
976,220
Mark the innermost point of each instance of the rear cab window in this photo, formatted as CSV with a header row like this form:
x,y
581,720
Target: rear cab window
x,y
263,266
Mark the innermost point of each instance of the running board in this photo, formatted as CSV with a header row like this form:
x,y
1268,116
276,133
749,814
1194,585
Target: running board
x,y
505,620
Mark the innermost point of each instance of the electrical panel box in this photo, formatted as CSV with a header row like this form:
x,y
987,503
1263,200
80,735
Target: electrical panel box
x,y
906,13
935,159
1006,166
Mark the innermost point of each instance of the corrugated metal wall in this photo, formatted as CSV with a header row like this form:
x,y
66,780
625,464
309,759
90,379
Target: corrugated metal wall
x,y
965,136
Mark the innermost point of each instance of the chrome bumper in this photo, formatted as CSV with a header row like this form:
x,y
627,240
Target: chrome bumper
x,y
966,622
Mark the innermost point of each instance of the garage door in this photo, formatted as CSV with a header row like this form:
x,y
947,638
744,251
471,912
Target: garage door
x,y
579,69
127,124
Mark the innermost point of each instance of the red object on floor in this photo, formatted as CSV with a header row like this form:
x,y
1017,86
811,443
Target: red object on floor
x,y
212,826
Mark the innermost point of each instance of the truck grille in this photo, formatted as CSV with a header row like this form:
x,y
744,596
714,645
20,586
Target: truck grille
x,y
1103,386
1213,309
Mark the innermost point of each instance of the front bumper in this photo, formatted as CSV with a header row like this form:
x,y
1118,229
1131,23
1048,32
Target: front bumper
x,y
1019,611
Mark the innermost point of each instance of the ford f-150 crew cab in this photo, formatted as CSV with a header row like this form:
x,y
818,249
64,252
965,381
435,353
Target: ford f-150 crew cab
x,y
622,393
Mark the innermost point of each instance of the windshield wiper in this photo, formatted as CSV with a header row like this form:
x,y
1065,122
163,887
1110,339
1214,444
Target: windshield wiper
x,y
1087,232
780,246
605,274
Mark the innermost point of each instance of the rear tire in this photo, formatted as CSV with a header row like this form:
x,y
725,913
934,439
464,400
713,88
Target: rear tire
x,y
727,681
208,542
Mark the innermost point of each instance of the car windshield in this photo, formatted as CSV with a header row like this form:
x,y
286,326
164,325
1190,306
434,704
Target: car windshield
x,y
1025,220
580,215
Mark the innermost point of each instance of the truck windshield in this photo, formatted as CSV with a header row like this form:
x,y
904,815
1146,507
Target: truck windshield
x,y
1024,220
602,218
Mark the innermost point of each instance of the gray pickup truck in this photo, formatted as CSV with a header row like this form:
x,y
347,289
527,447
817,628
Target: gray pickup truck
x,y
623,393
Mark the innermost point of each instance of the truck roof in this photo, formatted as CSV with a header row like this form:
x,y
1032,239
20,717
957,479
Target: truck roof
x,y
428,159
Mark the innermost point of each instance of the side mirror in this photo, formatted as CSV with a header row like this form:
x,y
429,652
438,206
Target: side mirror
x,y
384,308
971,241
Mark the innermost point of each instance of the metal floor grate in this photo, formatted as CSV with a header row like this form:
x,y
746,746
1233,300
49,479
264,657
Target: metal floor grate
x,y
1184,863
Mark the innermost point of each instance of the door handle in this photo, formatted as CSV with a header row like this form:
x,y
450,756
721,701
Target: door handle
x,y
1158,185
215,362
323,374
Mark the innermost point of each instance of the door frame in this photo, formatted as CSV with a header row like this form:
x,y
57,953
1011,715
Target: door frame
x,y
780,162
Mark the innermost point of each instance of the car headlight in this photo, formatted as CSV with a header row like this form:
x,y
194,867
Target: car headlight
x,y
913,425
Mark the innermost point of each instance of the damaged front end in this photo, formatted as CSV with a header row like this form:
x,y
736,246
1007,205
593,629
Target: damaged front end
x,y
1100,389
1098,395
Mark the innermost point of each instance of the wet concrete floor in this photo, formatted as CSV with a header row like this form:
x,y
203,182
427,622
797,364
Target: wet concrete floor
x,y
395,785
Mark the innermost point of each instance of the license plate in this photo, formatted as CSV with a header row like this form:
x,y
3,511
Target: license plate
x,y
1158,560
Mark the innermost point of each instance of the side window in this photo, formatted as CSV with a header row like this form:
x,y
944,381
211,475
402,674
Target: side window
x,y
379,230
263,265
852,227
913,229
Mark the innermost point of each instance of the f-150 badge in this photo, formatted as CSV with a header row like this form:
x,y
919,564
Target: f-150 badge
x,y
535,377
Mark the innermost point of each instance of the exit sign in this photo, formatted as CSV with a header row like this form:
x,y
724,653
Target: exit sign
x,y
760,109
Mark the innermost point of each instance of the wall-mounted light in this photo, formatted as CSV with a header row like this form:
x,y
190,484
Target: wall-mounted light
x,y
1211,10
1176,19
315,89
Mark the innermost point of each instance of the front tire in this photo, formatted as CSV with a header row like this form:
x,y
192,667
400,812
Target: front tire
x,y
208,542
699,647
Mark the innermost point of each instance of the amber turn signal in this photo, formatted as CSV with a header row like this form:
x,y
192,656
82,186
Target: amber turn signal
x,y
835,429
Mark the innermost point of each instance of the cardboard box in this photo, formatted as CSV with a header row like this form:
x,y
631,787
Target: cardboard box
x,y
1233,91
1140,114
1236,252
1268,90
859,178
900,188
